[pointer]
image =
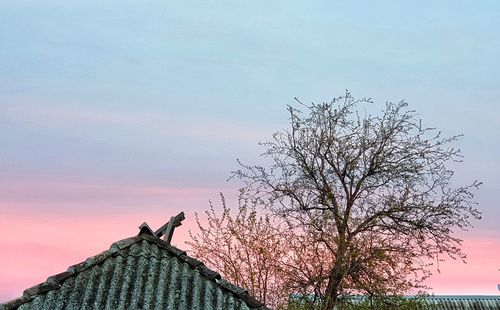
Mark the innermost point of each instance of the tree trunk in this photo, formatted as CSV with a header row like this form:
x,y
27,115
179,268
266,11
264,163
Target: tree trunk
x,y
337,273
332,290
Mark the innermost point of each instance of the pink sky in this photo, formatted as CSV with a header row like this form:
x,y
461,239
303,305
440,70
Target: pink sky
x,y
51,223
40,244
479,276
36,245
41,236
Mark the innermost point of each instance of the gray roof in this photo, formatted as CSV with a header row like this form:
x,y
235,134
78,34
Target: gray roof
x,y
142,272
464,302
441,302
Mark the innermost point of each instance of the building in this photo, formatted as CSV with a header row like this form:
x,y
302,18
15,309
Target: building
x,y
432,302
141,272
464,302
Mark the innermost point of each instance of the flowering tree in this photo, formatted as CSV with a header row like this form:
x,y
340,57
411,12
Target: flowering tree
x,y
246,248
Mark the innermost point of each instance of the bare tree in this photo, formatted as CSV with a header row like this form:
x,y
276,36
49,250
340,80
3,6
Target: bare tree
x,y
375,192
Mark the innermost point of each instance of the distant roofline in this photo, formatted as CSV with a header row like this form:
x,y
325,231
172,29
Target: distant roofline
x,y
460,296
428,296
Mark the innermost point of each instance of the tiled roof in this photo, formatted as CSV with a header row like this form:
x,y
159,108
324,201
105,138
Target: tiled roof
x,y
464,302
142,272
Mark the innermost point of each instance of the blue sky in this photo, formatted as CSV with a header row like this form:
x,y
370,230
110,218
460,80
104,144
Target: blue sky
x,y
104,103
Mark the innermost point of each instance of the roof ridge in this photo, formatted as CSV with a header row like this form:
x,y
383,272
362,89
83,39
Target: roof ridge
x,y
55,282
465,296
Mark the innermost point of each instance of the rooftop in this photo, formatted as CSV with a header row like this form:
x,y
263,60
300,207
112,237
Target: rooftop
x,y
141,272
464,302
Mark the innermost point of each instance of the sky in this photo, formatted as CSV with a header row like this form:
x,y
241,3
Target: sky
x,y
113,113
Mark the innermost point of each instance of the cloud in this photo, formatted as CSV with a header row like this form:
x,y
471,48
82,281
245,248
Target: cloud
x,y
23,194
98,121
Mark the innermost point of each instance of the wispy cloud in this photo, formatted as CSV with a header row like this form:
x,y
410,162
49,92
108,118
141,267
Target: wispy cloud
x,y
164,124
22,195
